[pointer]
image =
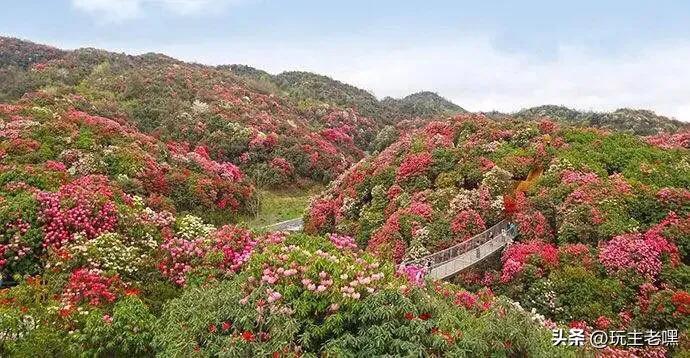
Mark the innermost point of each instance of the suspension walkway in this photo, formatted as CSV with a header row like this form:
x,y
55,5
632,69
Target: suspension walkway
x,y
448,262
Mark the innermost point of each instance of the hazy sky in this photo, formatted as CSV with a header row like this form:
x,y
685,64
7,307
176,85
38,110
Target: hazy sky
x,y
482,55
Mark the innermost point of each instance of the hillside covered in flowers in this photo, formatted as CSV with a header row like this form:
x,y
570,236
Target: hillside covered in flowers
x,y
267,136
126,183
149,283
603,218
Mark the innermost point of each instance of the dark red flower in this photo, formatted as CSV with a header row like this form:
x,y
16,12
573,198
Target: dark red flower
x,y
409,316
212,328
226,326
425,316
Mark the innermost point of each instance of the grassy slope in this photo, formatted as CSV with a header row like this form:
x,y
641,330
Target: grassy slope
x,y
281,205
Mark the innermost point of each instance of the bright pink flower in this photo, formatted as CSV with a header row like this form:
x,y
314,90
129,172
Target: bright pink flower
x,y
421,209
282,165
236,244
631,252
466,224
91,287
466,299
83,206
414,274
342,242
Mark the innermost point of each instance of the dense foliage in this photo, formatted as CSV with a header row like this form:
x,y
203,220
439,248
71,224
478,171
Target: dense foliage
x,y
604,218
66,173
641,122
122,178
268,136
179,287
422,104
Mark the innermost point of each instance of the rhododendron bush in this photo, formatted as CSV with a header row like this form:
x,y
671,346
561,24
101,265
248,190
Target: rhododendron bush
x,y
211,107
304,296
602,218
428,188
75,144
122,179
243,294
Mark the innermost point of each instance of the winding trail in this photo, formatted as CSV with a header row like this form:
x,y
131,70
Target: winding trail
x,y
288,225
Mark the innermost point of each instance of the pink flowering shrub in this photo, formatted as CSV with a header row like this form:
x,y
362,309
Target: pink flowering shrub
x,y
670,141
342,242
413,273
183,254
576,254
90,286
631,252
320,217
236,244
83,206
641,254
531,223
570,177
542,256
466,224
421,209
387,240
466,299
439,134
282,165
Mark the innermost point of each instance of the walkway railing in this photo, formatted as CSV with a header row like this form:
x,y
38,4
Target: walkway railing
x,y
456,258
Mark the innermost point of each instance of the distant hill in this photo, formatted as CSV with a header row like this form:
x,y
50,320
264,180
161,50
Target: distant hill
x,y
423,104
637,121
309,89
157,93
304,86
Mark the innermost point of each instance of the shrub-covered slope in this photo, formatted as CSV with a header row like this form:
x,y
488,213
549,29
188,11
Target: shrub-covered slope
x,y
264,134
603,217
309,90
422,104
179,287
637,121
64,171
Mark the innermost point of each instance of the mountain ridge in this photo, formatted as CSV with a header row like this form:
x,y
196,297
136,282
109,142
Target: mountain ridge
x,y
307,89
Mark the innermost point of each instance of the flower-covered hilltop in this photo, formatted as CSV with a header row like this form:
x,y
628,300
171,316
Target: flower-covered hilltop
x,y
112,243
274,140
603,218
